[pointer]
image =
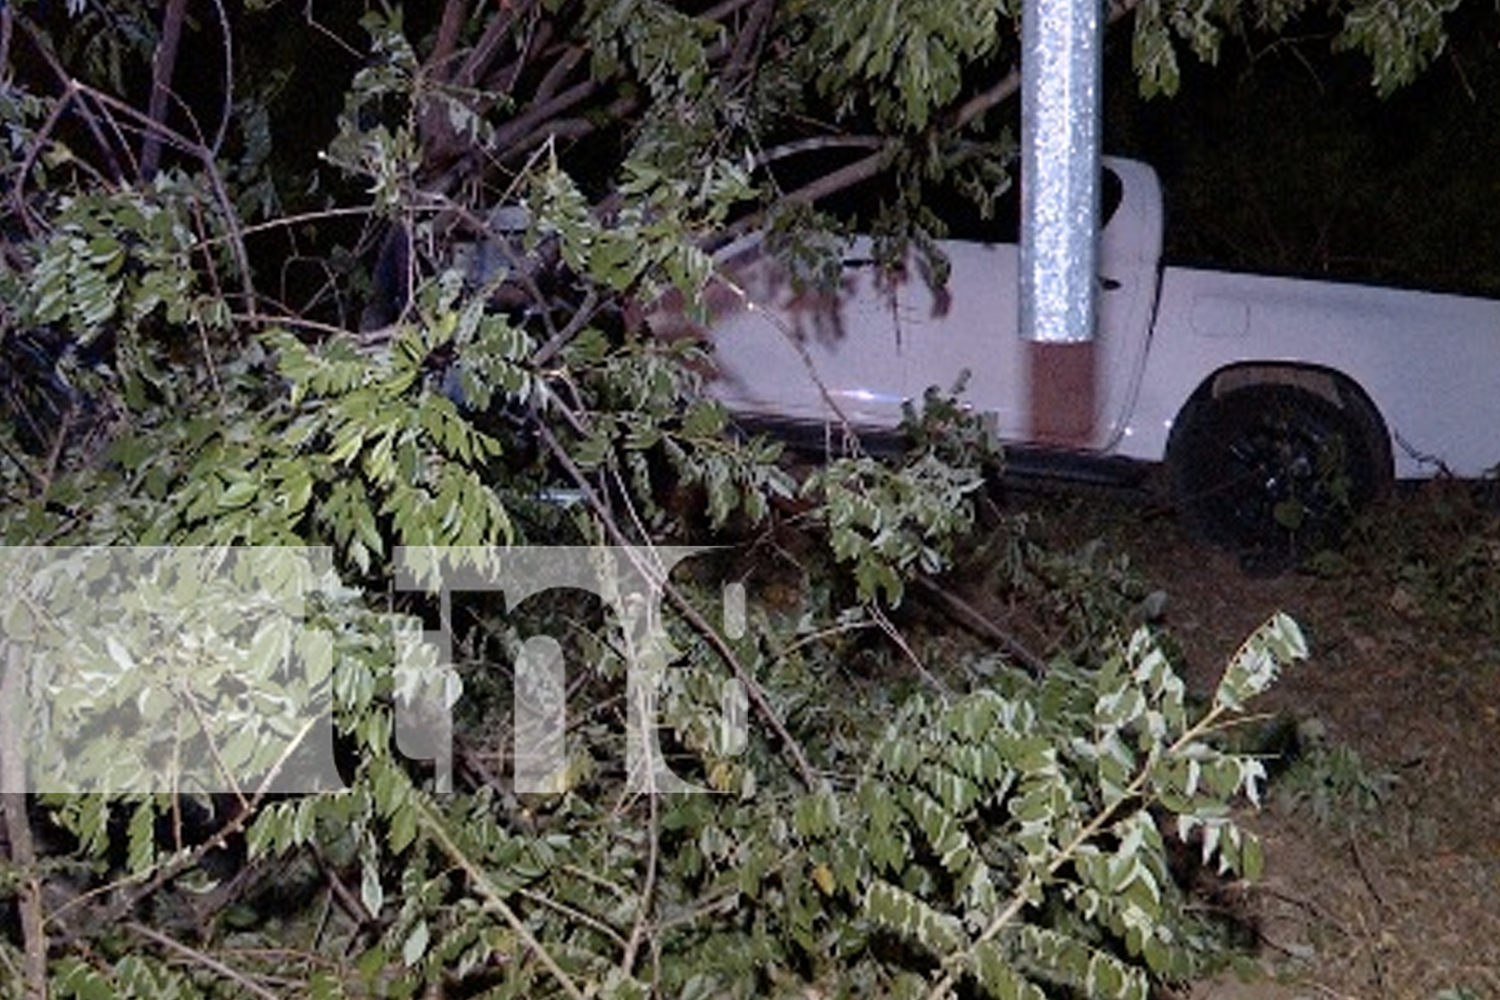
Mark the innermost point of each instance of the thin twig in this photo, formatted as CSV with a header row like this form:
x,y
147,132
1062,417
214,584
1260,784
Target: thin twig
x,y
581,317
639,932
984,625
198,151
353,51
42,45
1365,875
55,453
341,893
818,144
492,896
830,183
894,635
184,860
207,961
37,482
226,109
573,913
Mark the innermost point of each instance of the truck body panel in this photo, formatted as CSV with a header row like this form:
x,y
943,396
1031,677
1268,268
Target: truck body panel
x,y
853,355
1429,363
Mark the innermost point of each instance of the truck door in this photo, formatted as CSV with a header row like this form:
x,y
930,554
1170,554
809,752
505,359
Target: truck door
x,y
972,327
1130,237
788,352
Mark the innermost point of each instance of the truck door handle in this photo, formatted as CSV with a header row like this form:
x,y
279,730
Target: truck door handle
x,y
1109,284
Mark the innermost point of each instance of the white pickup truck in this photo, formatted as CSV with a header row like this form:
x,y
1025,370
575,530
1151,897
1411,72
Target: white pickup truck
x,y
1275,404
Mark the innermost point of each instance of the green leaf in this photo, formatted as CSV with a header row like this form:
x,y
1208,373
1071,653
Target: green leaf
x,y
900,911
76,979
371,892
1259,660
415,947
988,963
403,829
141,838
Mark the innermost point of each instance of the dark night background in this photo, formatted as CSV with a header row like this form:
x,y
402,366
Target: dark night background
x,y
1284,159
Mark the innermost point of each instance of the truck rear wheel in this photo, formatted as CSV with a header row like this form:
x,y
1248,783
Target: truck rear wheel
x,y
1277,471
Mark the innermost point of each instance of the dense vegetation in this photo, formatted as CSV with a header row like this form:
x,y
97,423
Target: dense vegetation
x,y
213,337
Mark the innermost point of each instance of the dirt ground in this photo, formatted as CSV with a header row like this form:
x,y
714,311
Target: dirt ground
x,y
1381,877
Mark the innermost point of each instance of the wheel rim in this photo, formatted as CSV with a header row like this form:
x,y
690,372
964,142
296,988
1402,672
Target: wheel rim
x,y
1287,477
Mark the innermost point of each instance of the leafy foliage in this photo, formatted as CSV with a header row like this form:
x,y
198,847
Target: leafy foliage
x,y
1331,782
986,809
1400,40
1012,822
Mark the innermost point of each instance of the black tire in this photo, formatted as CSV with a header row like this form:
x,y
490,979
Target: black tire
x,y
1277,471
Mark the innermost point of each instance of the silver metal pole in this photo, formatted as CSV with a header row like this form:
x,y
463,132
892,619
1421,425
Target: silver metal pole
x,y
1060,71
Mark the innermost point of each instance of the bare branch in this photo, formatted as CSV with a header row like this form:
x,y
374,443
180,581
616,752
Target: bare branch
x,y
558,72
818,143
65,82
7,31
445,52
527,129
1005,88
493,896
200,958
205,156
227,105
986,99
312,22
122,903
847,176
985,626
642,927
535,44
830,183
163,64
751,36
582,316
727,9
477,63
441,142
